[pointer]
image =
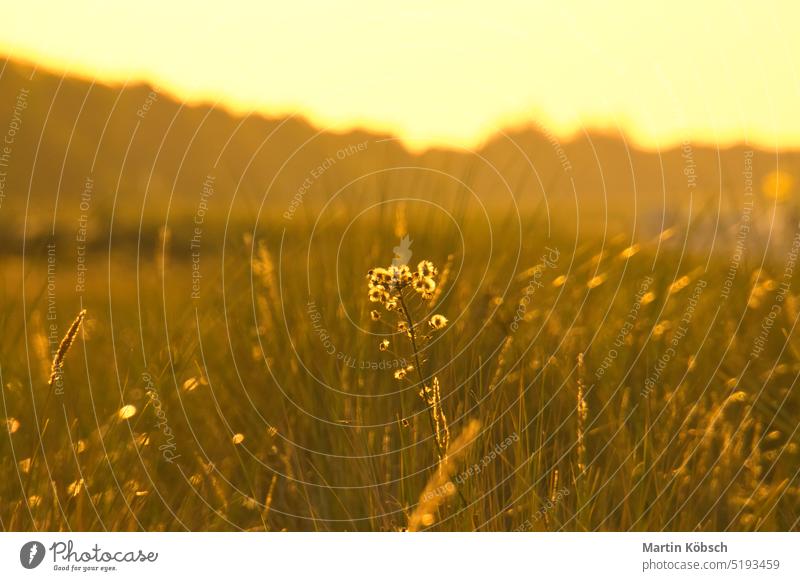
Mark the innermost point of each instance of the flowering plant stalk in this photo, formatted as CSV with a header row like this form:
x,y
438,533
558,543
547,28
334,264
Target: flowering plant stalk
x,y
397,288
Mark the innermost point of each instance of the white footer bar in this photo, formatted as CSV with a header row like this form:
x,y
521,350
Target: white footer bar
x,y
389,556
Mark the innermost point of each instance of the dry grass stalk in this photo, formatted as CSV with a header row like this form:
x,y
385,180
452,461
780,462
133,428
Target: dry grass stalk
x,y
582,412
440,485
443,279
64,346
264,268
433,399
268,500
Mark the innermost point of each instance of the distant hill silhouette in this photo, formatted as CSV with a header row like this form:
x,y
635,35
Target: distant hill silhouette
x,y
132,154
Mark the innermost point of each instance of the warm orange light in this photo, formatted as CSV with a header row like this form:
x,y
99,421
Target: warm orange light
x,y
447,71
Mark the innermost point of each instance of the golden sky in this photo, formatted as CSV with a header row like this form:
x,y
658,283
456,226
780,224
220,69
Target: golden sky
x,y
446,71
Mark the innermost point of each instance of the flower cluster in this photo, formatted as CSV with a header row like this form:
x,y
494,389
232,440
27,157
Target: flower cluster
x,y
394,287
398,289
384,283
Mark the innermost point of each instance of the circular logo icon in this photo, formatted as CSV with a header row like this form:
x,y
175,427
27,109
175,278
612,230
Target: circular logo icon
x,y
31,554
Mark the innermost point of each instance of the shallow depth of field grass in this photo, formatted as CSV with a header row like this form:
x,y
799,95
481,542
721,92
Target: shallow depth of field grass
x,y
613,383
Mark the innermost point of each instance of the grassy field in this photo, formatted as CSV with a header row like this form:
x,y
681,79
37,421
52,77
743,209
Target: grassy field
x,y
608,383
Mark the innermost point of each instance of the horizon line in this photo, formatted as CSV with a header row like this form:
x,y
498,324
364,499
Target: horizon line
x,y
412,145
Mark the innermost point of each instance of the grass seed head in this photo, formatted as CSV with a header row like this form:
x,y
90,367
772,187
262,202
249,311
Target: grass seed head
x,y
64,346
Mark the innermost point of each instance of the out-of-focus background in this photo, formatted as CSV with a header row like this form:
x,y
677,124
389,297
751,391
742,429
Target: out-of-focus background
x,y
609,193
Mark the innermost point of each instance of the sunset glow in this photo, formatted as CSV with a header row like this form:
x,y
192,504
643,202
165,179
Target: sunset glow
x,y
445,73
